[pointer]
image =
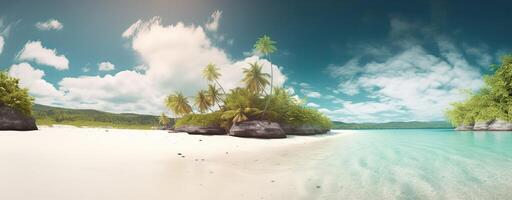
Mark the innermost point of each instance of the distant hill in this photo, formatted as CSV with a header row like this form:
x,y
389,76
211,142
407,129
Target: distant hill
x,y
48,115
394,125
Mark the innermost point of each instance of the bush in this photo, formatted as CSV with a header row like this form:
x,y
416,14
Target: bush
x,y
492,102
208,119
13,96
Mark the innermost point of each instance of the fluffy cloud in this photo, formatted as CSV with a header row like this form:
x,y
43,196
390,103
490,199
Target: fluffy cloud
x,y
412,83
34,51
313,94
33,80
173,57
213,22
51,24
314,105
106,66
2,42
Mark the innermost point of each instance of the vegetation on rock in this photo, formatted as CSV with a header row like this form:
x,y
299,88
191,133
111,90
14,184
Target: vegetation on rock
x,y
251,102
13,96
493,101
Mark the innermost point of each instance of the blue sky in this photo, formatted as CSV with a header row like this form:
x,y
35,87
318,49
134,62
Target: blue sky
x,y
356,61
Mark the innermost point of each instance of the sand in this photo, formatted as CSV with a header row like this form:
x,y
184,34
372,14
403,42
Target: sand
x,y
63,163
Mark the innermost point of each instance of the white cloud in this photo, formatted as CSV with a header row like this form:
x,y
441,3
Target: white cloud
x,y
33,80
411,84
106,66
213,22
140,68
314,105
313,94
34,51
51,24
2,42
86,69
173,57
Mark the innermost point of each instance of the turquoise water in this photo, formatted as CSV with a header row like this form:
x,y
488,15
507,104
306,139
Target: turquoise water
x,y
418,164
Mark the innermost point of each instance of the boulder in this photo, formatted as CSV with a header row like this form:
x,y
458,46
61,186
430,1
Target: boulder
x,y
464,128
500,125
481,126
12,119
257,129
201,130
302,130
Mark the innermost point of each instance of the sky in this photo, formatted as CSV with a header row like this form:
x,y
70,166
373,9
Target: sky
x,y
355,61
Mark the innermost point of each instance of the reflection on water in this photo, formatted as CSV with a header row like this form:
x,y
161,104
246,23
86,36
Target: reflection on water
x,y
417,164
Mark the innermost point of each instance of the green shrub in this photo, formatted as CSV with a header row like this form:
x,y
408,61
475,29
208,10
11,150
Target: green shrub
x,y
494,101
208,119
13,96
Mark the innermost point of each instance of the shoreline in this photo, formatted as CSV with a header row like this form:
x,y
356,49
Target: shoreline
x,y
99,163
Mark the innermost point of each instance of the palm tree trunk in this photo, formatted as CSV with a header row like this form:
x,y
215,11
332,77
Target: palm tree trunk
x,y
220,86
271,86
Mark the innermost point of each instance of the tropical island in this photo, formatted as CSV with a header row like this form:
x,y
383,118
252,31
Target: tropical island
x,y
256,110
491,107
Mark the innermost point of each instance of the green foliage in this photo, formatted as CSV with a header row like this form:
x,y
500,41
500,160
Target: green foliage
x,y
494,101
265,45
255,80
202,101
13,96
178,104
47,115
163,120
207,119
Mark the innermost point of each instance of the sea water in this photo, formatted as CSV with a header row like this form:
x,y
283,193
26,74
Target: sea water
x,y
416,164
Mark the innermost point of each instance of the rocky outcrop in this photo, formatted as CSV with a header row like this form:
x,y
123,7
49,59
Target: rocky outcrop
x,y
302,130
481,126
257,129
201,130
464,128
500,125
12,119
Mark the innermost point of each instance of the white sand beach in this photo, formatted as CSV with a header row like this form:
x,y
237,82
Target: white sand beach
x,y
63,163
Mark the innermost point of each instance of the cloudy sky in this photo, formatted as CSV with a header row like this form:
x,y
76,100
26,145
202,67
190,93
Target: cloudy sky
x,y
356,61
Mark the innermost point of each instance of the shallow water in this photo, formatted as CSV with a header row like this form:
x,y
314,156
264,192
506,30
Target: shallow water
x,y
417,164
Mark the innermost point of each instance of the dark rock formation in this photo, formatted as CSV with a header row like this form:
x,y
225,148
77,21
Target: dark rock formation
x,y
201,130
464,128
500,125
12,119
481,126
303,130
257,129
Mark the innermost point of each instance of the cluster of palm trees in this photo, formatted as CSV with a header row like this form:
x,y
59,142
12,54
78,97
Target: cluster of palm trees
x,y
254,79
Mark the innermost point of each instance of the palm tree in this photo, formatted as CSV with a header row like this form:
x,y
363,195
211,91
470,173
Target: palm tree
x,y
266,46
255,80
213,95
211,73
178,104
163,120
202,101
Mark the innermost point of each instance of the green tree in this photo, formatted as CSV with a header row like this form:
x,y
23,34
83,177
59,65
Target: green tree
x,y
255,80
266,46
178,104
202,101
214,95
163,120
211,73
13,96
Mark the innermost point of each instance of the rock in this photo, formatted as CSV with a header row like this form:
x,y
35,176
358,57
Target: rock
x,y
302,130
201,130
464,128
481,126
12,119
257,129
500,125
